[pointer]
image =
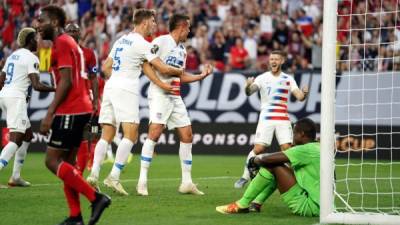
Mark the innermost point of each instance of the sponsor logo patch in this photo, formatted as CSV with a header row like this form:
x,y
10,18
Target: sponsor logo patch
x,y
154,49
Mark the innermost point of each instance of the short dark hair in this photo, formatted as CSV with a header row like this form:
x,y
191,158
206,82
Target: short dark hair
x,y
29,38
279,52
142,14
176,19
308,127
56,12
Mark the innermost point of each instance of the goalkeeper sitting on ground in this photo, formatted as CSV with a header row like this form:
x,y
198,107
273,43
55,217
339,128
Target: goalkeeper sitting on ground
x,y
298,184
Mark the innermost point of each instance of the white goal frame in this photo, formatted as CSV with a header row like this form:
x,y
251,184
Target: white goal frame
x,y
327,210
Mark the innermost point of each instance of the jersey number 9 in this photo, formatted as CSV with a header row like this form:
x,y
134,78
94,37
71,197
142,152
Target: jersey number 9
x,y
9,73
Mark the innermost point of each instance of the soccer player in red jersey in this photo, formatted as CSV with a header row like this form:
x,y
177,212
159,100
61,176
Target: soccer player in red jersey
x,y
67,115
90,74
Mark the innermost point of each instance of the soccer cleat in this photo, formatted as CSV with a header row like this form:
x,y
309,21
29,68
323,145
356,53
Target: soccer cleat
x,y
115,185
101,202
93,181
232,208
255,207
76,220
19,182
241,183
189,188
141,189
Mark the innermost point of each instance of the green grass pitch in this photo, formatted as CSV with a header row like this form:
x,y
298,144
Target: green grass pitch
x,y
44,203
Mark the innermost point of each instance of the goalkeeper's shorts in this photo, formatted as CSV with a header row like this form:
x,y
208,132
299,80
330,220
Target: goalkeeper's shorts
x,y
299,202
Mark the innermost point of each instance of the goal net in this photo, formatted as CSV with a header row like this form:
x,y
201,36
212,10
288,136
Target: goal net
x,y
360,112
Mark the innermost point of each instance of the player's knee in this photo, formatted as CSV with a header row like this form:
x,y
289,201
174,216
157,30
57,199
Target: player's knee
x,y
17,138
154,135
52,163
258,149
187,138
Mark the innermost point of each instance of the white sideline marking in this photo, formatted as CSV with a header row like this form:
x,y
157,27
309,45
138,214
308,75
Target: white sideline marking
x,y
155,179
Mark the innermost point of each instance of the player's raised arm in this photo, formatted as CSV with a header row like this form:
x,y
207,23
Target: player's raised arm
x,y
151,74
250,87
189,78
302,94
37,85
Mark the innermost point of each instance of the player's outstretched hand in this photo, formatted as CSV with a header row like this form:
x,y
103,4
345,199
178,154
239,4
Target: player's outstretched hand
x,y
45,125
171,89
207,70
249,81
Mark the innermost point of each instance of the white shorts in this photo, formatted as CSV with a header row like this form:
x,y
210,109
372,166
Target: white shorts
x,y
16,111
119,106
266,129
168,110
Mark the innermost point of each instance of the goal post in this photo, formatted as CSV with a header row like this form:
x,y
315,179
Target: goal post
x,y
348,194
327,131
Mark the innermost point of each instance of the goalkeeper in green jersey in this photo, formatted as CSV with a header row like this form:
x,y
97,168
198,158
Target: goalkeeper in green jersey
x,y
298,184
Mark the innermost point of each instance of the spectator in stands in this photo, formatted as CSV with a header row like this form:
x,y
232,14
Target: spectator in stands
x,y
192,59
273,24
217,51
250,44
238,56
113,21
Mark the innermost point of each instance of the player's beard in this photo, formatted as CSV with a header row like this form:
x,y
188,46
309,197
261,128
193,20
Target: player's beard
x,y
47,33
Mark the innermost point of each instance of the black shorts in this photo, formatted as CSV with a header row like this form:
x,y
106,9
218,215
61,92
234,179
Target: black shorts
x,y
93,130
67,131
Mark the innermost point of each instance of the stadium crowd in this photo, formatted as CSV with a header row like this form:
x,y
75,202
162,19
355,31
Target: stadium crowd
x,y
233,35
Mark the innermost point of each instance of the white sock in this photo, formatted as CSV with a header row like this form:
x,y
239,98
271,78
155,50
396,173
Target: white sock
x,y
145,159
6,154
110,153
246,173
19,159
117,139
99,154
123,151
185,154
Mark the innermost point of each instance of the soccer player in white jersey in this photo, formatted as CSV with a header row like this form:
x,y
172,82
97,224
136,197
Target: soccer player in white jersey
x,y
19,72
274,87
120,104
168,109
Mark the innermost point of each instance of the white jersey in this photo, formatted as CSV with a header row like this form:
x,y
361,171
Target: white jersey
x,y
18,66
274,91
172,54
128,54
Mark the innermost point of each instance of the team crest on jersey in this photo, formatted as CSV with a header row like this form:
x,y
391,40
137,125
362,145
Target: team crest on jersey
x,y
159,115
154,49
36,66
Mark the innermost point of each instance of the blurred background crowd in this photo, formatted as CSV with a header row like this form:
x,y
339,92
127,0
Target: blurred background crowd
x,y
234,35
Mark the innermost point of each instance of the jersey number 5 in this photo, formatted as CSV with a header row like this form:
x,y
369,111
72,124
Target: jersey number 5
x,y
9,73
117,59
